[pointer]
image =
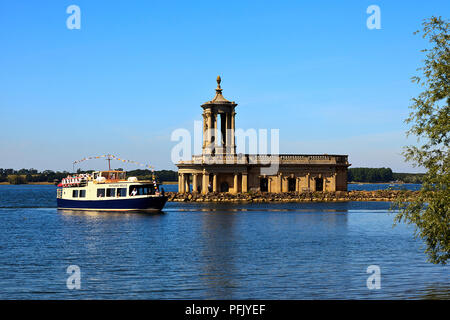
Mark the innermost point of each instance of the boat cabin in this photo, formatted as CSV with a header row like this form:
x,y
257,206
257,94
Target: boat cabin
x,y
110,175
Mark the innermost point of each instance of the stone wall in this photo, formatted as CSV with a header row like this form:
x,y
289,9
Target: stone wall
x,y
379,195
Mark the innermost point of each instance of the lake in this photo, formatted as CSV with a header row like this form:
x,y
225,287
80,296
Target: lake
x,y
210,251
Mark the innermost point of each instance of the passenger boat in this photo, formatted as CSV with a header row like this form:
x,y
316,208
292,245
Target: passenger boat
x,y
109,191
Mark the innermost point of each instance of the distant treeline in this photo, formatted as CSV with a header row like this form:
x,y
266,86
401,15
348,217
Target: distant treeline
x,y
24,176
162,175
382,175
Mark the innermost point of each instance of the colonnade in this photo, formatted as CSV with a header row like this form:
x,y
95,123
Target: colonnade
x,y
209,182
186,179
213,138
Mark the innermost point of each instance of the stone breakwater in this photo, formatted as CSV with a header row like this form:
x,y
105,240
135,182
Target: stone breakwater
x,y
378,195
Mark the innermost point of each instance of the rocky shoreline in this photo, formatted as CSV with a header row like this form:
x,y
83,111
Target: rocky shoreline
x,y
338,196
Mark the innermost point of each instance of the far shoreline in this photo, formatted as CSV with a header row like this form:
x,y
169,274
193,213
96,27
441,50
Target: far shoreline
x,y
175,182
52,183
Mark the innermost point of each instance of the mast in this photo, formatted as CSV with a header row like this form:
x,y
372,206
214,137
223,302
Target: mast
x,y
109,162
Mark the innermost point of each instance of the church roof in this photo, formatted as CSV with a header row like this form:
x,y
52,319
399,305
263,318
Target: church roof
x,y
219,98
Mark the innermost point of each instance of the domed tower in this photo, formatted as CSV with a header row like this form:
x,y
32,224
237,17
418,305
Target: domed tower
x,y
219,125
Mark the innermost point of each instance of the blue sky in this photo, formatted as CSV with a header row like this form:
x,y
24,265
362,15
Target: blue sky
x,y
137,70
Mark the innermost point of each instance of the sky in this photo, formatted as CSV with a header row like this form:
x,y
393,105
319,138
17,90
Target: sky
x,y
136,71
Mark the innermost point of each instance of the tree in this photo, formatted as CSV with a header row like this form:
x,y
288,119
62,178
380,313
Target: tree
x,y
430,123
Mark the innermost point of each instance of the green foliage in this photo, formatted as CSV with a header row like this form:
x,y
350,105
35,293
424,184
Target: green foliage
x,y
409,177
32,175
430,123
162,175
370,175
17,179
374,175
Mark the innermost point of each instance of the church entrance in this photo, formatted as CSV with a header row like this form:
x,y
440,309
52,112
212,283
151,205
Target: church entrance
x,y
224,187
264,185
319,184
291,184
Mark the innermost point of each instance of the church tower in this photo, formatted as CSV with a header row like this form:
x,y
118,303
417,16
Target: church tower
x,y
219,125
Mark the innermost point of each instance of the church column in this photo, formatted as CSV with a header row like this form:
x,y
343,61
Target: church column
x,y
227,131
182,184
285,183
187,180
214,182
194,182
233,148
205,182
210,128
280,183
204,131
216,133
244,183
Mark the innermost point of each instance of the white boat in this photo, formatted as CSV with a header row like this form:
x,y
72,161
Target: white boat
x,y
109,191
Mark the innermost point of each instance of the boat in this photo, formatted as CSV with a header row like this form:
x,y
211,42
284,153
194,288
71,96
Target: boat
x,y
109,190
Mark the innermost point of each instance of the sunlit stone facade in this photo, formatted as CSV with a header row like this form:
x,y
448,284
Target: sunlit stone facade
x,y
220,169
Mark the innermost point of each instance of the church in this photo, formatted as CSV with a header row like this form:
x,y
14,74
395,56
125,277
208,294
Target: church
x,y
220,169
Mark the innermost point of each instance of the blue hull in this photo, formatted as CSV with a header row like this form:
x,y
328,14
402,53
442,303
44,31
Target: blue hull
x,y
144,204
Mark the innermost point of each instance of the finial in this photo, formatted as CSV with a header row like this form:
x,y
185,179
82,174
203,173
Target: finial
x,y
218,89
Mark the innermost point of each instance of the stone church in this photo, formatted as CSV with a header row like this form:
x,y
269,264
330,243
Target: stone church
x,y
220,169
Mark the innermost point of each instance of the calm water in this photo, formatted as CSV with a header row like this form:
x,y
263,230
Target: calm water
x,y
206,251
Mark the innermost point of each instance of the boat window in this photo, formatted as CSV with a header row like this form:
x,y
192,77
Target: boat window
x,y
82,193
100,193
142,190
111,192
121,192
74,193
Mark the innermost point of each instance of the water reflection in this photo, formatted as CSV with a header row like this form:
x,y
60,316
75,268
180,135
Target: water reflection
x,y
209,250
271,241
108,214
218,231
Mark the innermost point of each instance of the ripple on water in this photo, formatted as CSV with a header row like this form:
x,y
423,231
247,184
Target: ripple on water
x,y
210,251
